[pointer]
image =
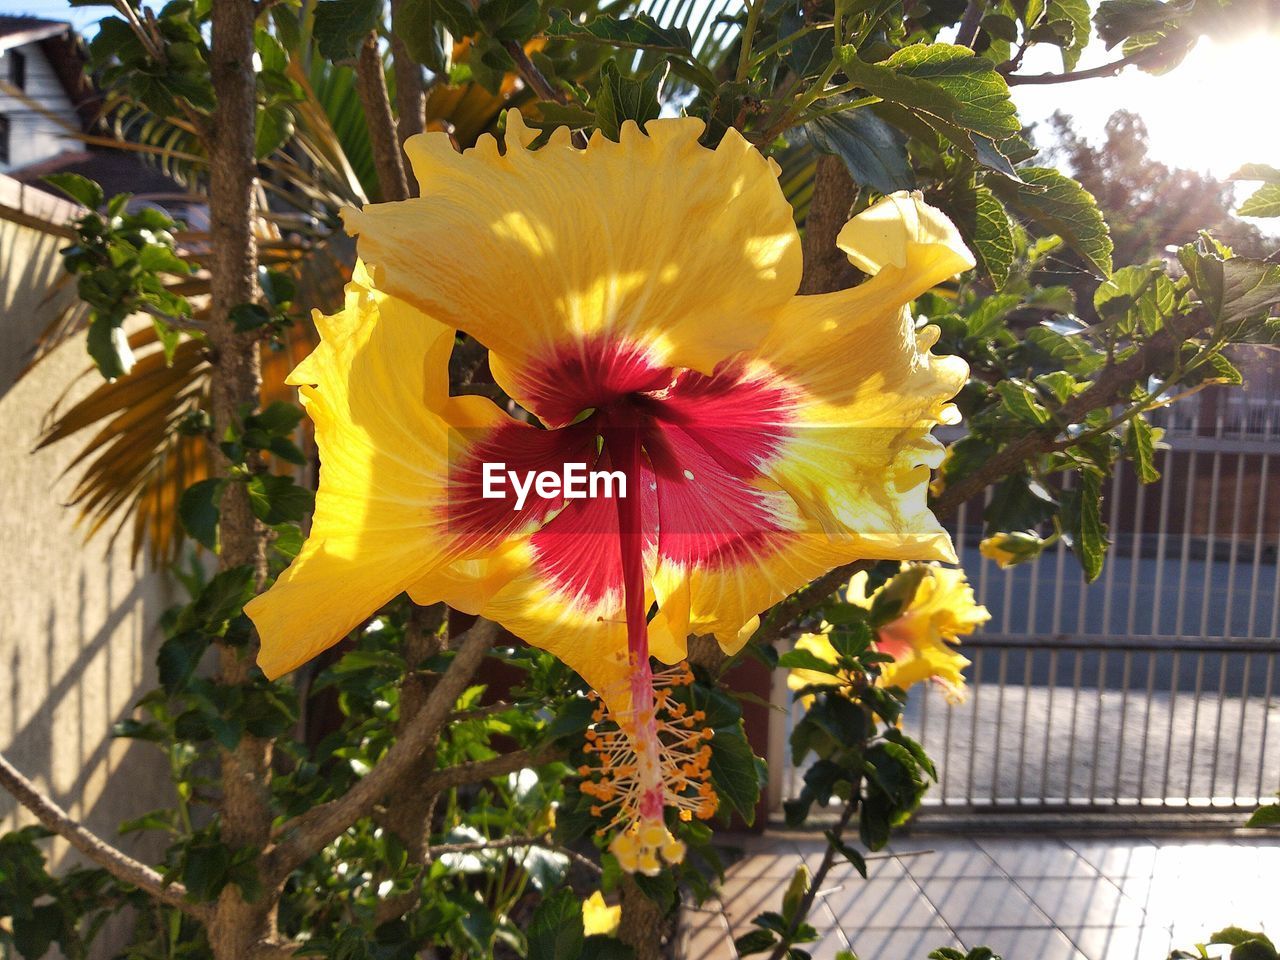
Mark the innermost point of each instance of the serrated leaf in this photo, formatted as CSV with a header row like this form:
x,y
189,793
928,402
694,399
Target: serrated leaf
x,y
1231,288
640,31
1139,441
620,98
340,26
1076,14
1089,532
874,153
1059,204
942,80
735,773
1264,202
509,19
985,227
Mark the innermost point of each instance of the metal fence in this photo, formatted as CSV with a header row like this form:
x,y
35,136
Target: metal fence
x,y
1155,686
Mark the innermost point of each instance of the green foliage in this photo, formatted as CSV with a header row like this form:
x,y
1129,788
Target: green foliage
x,y
122,260
1244,944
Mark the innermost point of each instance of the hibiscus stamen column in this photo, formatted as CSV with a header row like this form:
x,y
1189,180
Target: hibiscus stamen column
x,y
641,843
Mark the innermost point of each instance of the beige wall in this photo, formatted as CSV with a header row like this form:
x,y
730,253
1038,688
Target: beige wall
x,y
77,624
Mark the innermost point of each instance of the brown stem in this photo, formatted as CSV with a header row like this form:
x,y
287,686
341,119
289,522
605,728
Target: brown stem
x,y
478,771
411,98
307,833
970,23
538,83
1104,70
238,925
826,266
119,864
371,84
641,921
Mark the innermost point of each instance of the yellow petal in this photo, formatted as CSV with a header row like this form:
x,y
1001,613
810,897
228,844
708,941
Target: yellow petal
x,y
374,386
598,917
681,253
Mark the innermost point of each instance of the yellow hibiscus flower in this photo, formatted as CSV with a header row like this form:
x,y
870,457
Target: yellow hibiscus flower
x,y
638,299
919,639
598,917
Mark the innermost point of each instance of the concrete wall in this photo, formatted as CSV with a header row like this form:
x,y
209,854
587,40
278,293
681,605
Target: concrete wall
x,y
77,624
32,135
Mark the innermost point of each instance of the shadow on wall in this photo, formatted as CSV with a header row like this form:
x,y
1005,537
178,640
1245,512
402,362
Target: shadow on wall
x,y
78,632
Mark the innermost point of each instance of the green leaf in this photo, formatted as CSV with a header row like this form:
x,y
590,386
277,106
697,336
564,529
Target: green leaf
x,y
279,418
556,932
1139,441
1089,533
273,126
985,227
1136,298
620,98
1265,202
874,152
341,26
1231,288
223,597
1268,816
80,189
804,660
178,658
941,80
1059,204
735,772
198,509
640,31
421,25
276,499
509,19
1073,14
757,941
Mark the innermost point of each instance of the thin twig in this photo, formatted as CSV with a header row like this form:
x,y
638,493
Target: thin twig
x,y
539,84
1105,70
119,864
545,842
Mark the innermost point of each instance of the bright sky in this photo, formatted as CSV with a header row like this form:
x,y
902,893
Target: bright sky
x,y
1209,114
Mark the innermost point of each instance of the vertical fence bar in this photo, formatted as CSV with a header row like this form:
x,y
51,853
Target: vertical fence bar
x,y
1266,723
1242,736
1097,727
1211,537
1162,540
973,725
1124,711
1044,766
1188,514
1075,711
1195,726
1027,659
1168,740
1146,729
995,758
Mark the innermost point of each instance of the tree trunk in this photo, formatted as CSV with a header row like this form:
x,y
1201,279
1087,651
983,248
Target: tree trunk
x,y
371,84
411,93
642,923
826,267
245,812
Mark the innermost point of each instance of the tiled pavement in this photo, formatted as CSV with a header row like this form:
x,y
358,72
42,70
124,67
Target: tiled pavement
x,y
1027,898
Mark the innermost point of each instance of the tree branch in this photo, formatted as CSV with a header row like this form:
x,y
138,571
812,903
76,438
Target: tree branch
x,y
371,84
1105,70
307,833
970,23
478,771
119,864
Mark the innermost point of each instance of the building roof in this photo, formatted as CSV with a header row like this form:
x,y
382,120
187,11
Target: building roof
x,y
66,55
16,31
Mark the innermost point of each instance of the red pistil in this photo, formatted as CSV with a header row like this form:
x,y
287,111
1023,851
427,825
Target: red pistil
x,y
622,439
